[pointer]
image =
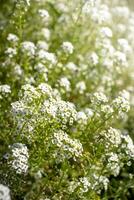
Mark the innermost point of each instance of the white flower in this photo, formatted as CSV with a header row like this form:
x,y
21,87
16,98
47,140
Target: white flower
x,y
46,56
121,28
12,37
50,108
81,117
44,14
42,45
121,104
104,180
20,157
101,15
120,58
89,112
112,137
4,192
71,66
11,52
28,48
129,145
121,12
98,98
45,88
5,89
113,164
125,94
72,146
68,47
105,46
46,33
107,109
81,87
18,70
94,59
63,111
106,32
73,185
108,63
41,68
62,7
124,46
65,83
89,4
85,183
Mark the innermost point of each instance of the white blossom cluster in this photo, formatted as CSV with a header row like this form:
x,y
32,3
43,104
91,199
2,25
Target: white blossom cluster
x,y
65,83
119,147
42,104
5,90
114,164
86,184
81,87
64,111
99,98
19,158
82,117
112,137
44,14
99,181
68,47
46,56
67,144
12,38
11,52
83,185
128,145
121,104
28,48
4,192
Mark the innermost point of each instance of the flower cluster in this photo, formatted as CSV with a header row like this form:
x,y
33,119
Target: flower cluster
x,y
19,158
42,104
66,100
4,192
64,142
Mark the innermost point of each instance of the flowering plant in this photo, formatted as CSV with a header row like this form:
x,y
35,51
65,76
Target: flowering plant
x,y
67,100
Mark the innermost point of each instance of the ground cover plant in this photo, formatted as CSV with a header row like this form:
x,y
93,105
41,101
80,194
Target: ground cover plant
x,y
66,100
